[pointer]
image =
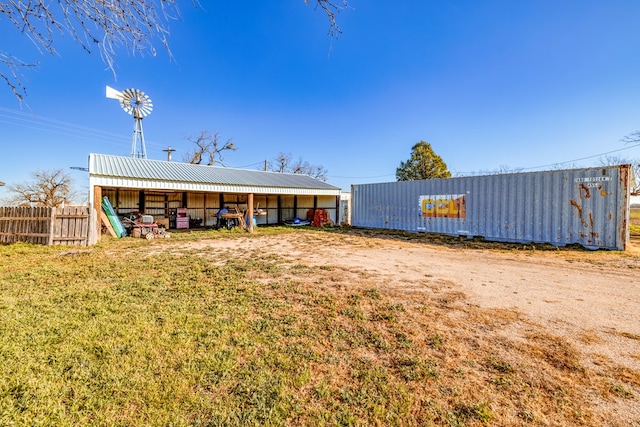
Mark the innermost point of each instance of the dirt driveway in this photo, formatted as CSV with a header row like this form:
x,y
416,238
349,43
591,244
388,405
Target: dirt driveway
x,y
591,298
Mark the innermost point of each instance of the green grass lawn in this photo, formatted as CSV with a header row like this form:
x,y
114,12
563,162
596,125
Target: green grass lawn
x,y
138,333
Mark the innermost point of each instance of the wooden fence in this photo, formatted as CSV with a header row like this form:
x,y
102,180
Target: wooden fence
x,y
45,226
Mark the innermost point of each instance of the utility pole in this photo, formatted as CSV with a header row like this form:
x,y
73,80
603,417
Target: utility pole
x,y
265,165
169,150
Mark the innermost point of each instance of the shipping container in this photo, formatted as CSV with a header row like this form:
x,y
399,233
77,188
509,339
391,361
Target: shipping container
x,y
589,207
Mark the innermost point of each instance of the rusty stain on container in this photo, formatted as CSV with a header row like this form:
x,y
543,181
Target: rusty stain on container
x,y
578,208
587,192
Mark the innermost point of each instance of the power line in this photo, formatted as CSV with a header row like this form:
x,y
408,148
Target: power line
x,y
27,120
261,162
361,177
582,158
46,124
564,162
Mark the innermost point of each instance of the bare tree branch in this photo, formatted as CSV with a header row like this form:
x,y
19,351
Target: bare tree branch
x,y
208,145
13,78
51,188
632,138
331,9
105,26
284,163
610,160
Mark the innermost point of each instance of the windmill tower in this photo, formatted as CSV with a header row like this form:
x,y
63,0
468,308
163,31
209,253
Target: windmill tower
x,y
139,105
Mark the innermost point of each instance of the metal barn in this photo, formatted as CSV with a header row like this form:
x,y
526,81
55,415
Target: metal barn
x,y
160,188
589,207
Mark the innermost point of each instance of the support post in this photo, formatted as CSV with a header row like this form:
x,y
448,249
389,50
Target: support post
x,y
250,212
279,209
97,208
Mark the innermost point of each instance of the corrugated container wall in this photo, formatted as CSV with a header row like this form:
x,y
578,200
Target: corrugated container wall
x,y
589,207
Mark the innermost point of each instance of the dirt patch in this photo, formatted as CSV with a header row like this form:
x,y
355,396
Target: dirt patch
x,y
573,293
591,300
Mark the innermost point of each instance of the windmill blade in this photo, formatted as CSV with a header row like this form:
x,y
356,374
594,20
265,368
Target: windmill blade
x,y
146,109
113,93
128,100
145,105
134,101
129,93
125,103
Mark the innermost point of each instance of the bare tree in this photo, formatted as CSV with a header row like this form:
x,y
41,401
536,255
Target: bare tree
x,y
502,170
632,138
51,188
285,163
331,8
208,148
565,166
611,160
281,163
105,26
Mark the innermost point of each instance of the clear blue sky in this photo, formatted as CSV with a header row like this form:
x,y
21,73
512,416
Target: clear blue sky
x,y
489,83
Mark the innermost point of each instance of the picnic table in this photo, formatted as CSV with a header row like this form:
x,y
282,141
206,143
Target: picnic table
x,y
231,216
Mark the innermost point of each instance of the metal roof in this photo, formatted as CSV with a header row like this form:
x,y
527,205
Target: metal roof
x,y
129,172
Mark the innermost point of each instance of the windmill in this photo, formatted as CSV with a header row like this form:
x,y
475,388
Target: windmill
x,y
139,105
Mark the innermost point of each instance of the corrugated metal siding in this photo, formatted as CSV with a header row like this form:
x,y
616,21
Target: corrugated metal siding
x,y
128,201
305,202
104,181
286,207
195,200
326,202
304,205
212,201
155,204
260,202
211,208
272,211
196,205
122,172
584,206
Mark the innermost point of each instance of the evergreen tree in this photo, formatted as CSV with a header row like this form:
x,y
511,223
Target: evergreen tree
x,y
424,163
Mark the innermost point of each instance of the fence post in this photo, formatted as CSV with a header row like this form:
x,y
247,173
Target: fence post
x,y
52,225
92,233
